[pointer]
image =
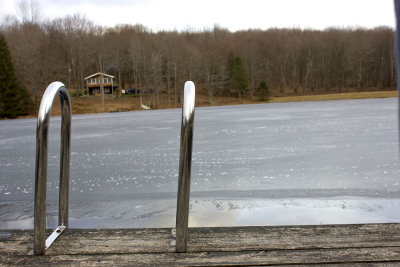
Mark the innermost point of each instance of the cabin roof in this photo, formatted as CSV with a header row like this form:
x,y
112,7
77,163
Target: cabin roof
x,y
99,73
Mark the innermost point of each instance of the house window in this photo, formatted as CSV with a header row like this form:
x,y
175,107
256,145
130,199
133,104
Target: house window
x,y
98,80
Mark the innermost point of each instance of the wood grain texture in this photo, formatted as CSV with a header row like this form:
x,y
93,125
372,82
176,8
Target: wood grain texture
x,y
333,245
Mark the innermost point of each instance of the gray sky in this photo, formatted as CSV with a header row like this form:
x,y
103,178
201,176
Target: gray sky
x,y
231,14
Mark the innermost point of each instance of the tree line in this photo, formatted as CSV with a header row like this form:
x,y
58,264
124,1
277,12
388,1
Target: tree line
x,y
14,98
249,63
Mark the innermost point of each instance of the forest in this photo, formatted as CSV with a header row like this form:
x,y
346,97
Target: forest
x,y
250,63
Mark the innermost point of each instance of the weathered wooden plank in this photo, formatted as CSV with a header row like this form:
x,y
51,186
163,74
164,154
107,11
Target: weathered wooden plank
x,y
344,264
15,248
293,237
93,241
278,257
122,241
15,235
336,245
115,241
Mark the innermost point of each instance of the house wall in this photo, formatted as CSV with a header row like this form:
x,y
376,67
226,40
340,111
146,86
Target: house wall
x,y
96,90
96,80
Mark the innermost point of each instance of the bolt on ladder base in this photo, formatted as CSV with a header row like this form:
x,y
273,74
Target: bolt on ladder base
x,y
54,236
57,232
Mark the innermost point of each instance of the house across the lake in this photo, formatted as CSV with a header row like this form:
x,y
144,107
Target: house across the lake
x,y
93,83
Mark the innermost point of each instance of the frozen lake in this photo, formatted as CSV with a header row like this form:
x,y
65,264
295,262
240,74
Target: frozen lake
x,y
266,164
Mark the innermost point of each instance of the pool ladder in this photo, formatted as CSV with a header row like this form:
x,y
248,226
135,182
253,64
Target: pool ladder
x,y
42,129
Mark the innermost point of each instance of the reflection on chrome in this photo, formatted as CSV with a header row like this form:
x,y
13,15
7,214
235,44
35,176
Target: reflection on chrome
x,y
185,160
40,244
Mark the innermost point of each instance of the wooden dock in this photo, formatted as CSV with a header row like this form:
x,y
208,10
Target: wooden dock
x,y
333,245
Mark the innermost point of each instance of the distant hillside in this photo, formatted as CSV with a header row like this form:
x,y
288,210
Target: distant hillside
x,y
248,64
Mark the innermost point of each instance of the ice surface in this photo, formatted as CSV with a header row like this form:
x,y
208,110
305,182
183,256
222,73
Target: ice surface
x,y
210,212
268,153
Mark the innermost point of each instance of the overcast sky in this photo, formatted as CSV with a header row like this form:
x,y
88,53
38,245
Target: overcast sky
x,y
231,14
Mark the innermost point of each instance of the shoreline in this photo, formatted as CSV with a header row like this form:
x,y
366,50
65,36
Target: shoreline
x,y
91,105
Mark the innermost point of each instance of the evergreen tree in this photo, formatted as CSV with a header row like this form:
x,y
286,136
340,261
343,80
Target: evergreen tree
x,y
14,99
239,77
263,89
230,68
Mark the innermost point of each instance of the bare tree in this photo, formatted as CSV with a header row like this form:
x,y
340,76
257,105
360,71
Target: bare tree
x,y
29,11
286,61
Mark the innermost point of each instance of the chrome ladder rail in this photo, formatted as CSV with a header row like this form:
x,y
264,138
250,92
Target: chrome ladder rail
x,y
43,121
185,162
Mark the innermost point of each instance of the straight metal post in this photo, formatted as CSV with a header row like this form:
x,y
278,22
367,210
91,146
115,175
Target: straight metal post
x,y
185,162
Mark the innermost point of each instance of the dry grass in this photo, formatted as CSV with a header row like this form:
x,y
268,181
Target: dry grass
x,y
83,105
357,95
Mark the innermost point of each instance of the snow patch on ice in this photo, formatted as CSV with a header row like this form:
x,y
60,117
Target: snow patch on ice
x,y
294,212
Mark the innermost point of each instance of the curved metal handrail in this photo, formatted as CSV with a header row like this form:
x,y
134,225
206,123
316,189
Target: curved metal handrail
x,y
40,244
185,162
